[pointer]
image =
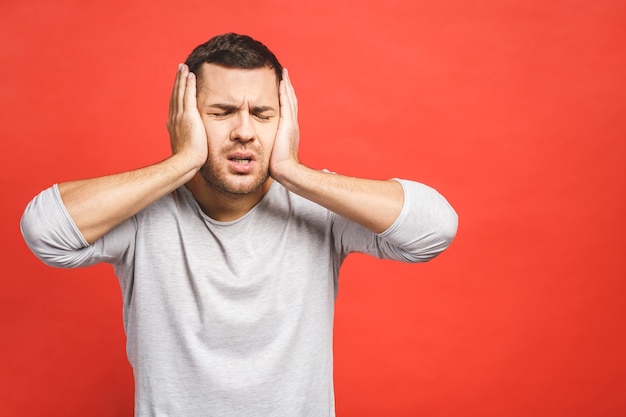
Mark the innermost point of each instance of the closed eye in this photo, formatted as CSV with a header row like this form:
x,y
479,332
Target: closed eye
x,y
220,115
263,117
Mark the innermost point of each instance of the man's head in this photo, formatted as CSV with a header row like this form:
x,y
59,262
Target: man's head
x,y
231,50
238,100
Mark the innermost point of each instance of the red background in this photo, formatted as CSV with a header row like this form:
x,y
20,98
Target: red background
x,y
514,110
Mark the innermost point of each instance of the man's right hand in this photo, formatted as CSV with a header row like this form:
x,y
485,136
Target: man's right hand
x,y
187,133
98,204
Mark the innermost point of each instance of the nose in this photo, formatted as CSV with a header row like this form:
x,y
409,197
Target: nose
x,y
243,129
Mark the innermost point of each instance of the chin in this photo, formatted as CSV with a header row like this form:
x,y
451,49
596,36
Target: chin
x,y
235,184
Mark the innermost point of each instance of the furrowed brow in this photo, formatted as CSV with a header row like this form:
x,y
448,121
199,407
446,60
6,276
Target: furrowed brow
x,y
262,109
224,106
232,108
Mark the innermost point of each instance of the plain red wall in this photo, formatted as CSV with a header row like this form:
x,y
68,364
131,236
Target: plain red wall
x,y
515,110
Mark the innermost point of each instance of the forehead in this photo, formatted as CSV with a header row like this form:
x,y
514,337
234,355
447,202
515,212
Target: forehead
x,y
235,85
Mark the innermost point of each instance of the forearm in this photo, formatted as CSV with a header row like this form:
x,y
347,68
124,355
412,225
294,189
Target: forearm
x,y
373,204
370,203
98,205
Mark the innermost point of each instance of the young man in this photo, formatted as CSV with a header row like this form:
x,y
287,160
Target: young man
x,y
228,252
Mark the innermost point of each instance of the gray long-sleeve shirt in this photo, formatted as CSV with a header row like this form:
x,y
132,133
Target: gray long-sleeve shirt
x,y
234,319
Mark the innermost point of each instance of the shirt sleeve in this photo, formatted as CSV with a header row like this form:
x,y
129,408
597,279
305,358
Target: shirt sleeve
x,y
425,227
54,238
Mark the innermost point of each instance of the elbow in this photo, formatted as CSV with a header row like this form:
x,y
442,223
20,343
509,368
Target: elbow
x,y
446,232
439,238
35,240
445,224
431,220
44,242
449,227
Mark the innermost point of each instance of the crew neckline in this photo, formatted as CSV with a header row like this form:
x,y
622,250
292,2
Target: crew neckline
x,y
211,220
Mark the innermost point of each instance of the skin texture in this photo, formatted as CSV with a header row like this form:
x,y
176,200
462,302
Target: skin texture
x,y
240,112
230,114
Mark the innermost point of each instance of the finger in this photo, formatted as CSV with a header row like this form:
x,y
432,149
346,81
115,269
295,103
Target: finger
x,y
182,88
285,106
173,95
175,99
291,94
189,99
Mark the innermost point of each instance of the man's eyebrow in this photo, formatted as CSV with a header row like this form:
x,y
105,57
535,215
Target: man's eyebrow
x,y
262,109
223,106
233,107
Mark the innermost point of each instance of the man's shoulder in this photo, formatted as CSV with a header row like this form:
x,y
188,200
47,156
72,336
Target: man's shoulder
x,y
179,201
295,206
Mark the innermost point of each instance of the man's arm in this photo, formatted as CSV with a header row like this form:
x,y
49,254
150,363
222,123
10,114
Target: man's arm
x,y
371,203
98,205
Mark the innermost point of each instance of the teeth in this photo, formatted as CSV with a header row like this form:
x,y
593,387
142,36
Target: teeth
x,y
241,161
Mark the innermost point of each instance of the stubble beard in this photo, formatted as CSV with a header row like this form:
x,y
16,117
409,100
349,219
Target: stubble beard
x,y
233,184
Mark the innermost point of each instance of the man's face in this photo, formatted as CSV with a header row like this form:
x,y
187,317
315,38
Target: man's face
x,y
240,110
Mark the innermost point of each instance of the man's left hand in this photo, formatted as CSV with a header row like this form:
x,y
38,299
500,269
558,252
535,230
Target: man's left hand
x,y
284,156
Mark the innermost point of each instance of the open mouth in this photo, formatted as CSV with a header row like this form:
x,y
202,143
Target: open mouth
x,y
242,161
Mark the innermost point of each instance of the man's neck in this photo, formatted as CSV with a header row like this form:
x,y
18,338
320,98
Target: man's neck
x,y
222,206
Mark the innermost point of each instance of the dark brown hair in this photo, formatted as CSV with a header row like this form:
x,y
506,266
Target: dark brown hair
x,y
231,50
